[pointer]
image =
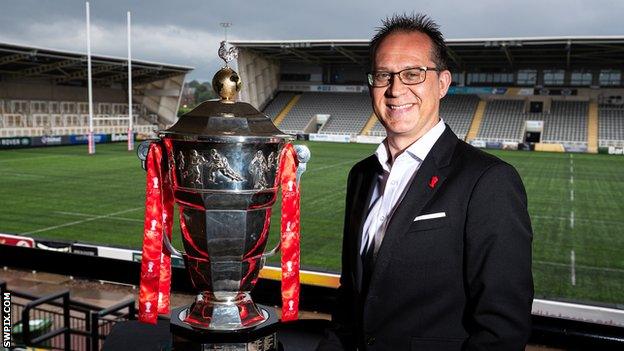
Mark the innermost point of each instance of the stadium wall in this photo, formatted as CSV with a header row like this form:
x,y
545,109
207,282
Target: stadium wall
x,y
161,97
260,78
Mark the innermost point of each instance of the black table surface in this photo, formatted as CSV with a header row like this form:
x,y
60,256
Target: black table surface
x,y
301,335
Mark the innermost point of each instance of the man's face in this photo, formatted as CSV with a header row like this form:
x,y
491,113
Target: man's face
x,y
408,111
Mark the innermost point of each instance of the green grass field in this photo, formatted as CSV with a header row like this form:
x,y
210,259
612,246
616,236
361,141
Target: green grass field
x,y
575,201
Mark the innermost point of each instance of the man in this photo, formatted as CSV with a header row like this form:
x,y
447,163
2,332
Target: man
x,y
437,238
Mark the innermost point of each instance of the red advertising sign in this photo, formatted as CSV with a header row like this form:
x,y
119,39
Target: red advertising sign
x,y
15,240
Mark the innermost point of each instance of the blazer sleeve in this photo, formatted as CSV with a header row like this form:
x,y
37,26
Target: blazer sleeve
x,y
498,261
341,333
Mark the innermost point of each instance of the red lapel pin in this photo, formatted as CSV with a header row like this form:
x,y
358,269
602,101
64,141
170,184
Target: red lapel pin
x,y
433,181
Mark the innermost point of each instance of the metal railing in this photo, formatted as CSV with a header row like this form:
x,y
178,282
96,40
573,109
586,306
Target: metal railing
x,y
106,318
28,339
74,323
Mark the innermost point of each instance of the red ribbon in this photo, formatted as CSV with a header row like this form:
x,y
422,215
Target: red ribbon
x,y
290,234
156,260
155,283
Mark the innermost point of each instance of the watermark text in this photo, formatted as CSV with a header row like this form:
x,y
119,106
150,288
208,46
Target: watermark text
x,y
6,319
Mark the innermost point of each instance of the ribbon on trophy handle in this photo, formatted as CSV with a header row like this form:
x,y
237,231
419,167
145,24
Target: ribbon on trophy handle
x,y
290,235
155,283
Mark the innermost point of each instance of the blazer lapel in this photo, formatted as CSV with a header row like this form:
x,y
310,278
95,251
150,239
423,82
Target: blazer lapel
x,y
366,185
420,191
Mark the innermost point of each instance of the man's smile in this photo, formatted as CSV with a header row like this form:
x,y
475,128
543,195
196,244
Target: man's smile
x,y
400,107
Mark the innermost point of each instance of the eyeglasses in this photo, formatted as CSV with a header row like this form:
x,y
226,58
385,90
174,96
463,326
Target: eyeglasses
x,y
408,76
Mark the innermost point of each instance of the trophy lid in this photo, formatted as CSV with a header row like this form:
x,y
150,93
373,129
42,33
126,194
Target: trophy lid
x,y
225,120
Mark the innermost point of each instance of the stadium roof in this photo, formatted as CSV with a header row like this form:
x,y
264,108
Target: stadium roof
x,y
466,54
66,67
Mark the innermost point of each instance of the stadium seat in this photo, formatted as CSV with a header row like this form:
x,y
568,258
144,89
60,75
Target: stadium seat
x,y
610,125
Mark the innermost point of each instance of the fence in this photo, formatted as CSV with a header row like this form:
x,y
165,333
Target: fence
x,y
58,323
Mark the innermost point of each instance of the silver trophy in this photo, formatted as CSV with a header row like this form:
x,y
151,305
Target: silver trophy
x,y
223,158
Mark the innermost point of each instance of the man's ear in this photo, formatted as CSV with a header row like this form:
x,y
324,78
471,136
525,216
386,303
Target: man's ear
x,y
444,81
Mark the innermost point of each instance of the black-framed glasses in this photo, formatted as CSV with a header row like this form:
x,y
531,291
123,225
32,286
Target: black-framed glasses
x,y
408,76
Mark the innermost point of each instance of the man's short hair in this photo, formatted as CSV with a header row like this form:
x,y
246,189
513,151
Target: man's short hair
x,y
413,23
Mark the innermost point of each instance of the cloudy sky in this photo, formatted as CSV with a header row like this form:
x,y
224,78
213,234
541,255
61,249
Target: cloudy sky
x,y
188,32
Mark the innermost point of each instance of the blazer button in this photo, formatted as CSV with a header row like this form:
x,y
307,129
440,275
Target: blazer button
x,y
370,340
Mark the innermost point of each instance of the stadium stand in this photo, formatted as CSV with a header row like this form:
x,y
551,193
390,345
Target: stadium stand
x,y
275,106
611,125
348,112
566,122
503,121
44,117
38,98
456,110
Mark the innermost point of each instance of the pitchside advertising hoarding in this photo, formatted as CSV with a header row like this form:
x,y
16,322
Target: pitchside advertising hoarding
x,y
455,90
16,240
55,140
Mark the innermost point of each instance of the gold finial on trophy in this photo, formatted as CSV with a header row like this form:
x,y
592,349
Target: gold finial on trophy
x,y
226,82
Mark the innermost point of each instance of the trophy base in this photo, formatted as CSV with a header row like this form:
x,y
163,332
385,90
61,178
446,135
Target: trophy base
x,y
226,313
262,337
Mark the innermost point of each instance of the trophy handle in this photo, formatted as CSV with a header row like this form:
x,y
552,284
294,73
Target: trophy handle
x,y
268,254
169,246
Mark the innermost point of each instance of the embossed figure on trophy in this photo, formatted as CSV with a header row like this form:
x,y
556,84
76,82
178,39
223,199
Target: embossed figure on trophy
x,y
194,171
219,164
259,167
184,172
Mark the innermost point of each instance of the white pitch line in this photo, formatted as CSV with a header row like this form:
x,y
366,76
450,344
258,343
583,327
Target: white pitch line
x,y
571,179
327,167
571,219
571,194
82,221
602,221
572,268
93,216
591,268
571,169
26,175
34,158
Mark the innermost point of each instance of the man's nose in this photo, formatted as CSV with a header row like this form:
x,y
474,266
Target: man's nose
x,y
396,87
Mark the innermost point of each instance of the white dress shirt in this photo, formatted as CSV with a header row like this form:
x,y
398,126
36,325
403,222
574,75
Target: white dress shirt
x,y
392,184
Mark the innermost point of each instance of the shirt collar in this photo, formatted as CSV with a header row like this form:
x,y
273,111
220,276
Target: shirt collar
x,y
417,151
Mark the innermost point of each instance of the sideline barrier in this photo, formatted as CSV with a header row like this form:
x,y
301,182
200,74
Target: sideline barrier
x,y
369,139
493,145
575,148
321,279
478,143
335,138
63,140
510,145
549,147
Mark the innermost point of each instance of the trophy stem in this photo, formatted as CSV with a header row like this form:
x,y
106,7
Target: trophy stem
x,y
223,311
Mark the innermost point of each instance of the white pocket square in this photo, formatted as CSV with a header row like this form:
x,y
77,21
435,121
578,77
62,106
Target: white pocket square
x,y
430,216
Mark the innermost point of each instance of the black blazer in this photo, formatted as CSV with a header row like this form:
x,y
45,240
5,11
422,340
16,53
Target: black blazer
x,y
458,282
